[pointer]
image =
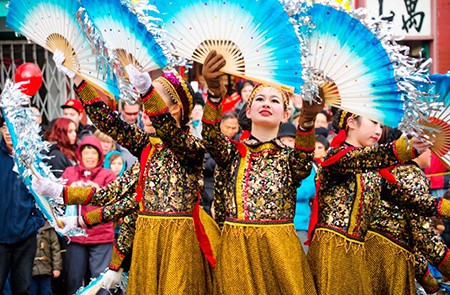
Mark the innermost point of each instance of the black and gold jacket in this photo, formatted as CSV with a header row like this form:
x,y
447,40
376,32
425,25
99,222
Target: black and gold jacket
x,y
255,181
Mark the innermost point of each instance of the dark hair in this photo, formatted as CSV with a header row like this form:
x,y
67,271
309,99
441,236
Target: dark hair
x,y
323,140
242,84
326,114
340,120
2,120
198,99
59,135
389,135
84,146
244,121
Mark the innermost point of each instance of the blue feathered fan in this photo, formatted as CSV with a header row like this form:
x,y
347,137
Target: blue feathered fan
x,y
359,70
52,24
255,37
126,35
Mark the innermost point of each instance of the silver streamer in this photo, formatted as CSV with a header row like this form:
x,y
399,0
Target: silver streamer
x,y
97,283
303,25
29,149
98,46
106,57
148,15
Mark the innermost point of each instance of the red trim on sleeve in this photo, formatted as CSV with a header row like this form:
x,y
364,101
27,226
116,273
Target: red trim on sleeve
x,y
80,87
88,199
444,260
333,159
386,174
242,148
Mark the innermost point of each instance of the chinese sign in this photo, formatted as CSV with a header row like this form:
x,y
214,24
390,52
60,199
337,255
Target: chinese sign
x,y
411,18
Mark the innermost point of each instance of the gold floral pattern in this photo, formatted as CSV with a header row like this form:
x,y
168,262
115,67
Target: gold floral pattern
x,y
350,186
255,181
174,170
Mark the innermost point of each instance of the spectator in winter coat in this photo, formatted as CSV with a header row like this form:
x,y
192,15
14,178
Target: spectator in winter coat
x,y
19,219
93,250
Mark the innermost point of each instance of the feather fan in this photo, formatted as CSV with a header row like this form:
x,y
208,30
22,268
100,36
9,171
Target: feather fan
x,y
255,37
125,34
361,77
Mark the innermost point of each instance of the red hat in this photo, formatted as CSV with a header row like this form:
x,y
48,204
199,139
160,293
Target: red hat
x,y
74,104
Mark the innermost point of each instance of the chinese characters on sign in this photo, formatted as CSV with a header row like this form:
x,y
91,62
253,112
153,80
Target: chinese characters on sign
x,y
411,18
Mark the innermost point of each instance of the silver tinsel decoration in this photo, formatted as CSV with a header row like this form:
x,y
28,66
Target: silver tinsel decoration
x,y
30,149
107,56
96,284
148,15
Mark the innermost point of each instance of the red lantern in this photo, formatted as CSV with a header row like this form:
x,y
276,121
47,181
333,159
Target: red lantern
x,y
31,73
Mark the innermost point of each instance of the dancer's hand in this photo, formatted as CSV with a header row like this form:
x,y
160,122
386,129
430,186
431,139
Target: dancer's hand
x,y
211,72
140,81
59,58
45,187
70,222
310,110
112,278
421,145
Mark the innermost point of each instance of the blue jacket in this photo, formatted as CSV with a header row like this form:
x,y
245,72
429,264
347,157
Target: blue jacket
x,y
19,217
305,193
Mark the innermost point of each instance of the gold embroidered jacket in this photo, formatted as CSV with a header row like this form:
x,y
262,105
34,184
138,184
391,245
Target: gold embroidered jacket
x,y
173,169
255,181
350,185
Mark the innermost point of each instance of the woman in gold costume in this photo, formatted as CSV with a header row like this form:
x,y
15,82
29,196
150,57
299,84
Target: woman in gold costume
x,y
350,187
159,224
259,251
401,231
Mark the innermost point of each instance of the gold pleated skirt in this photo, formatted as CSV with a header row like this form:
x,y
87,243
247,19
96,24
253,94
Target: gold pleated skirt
x,y
391,266
261,259
167,258
338,264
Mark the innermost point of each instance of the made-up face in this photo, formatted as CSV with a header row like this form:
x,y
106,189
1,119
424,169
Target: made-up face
x,y
90,157
364,132
267,108
72,133
116,165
